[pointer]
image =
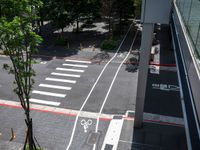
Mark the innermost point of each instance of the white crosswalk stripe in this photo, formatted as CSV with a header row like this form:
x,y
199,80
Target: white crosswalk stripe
x,y
60,80
72,70
78,61
48,93
65,75
75,65
44,102
62,72
55,87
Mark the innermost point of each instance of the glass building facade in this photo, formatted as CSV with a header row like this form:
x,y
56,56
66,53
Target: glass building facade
x,y
185,28
190,11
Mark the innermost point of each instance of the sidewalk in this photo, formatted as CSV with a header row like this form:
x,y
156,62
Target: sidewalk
x,y
161,99
6,145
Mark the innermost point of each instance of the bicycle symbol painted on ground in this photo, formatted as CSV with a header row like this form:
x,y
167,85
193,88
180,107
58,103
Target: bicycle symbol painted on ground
x,y
86,124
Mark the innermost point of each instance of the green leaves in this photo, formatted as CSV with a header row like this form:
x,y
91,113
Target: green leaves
x,y
19,41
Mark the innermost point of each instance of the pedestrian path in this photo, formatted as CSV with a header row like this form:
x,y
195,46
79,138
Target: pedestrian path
x,y
55,86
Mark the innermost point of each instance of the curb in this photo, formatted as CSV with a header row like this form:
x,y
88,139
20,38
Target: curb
x,y
148,117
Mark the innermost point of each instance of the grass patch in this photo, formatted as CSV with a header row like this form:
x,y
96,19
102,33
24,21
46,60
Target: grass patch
x,y
34,61
108,45
27,148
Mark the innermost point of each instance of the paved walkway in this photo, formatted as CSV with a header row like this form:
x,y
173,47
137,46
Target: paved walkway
x,y
6,145
163,99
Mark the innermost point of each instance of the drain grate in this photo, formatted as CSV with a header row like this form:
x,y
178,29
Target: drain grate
x,y
117,117
93,138
108,147
131,114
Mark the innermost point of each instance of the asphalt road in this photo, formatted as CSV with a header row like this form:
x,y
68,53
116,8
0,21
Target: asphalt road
x,y
74,89
74,97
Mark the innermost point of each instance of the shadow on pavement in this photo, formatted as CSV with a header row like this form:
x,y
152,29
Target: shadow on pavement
x,y
156,137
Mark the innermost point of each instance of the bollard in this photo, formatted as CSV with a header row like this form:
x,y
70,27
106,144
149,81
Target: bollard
x,y
81,47
93,49
13,136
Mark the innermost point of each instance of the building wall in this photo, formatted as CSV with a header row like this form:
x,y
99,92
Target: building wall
x,y
189,37
185,30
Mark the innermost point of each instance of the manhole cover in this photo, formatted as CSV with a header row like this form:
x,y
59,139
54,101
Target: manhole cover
x,y
93,138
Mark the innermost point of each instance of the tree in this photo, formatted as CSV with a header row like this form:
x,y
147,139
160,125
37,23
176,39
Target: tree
x,y
137,6
60,12
19,41
124,8
84,10
107,12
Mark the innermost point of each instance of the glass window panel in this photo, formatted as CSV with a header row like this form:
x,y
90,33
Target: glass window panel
x,y
190,11
193,21
187,10
198,42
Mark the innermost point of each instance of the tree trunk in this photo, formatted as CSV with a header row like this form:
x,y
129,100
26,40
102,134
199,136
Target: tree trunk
x,y
29,135
61,34
77,25
120,21
110,20
0,11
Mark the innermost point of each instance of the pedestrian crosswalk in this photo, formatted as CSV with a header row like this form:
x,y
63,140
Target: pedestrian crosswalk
x,y
48,93
32,100
55,87
60,80
78,61
74,65
51,92
66,75
72,70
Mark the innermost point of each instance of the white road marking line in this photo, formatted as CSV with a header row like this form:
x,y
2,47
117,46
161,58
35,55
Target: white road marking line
x,y
48,93
73,70
44,102
165,87
43,62
94,85
113,133
60,80
86,124
65,75
78,61
55,87
111,85
154,69
74,65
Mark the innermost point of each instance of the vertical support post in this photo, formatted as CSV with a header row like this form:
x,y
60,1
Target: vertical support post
x,y
146,44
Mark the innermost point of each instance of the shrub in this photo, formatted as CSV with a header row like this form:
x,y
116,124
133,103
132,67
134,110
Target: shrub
x,y
108,45
60,41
